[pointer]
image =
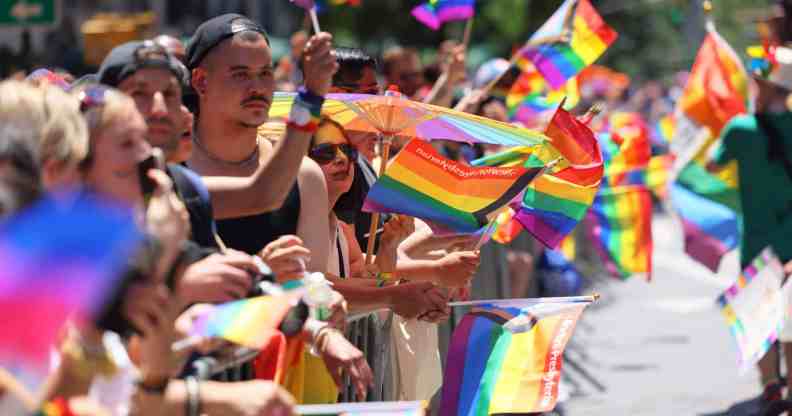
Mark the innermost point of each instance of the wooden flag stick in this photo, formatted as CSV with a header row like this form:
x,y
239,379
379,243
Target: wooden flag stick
x,y
386,145
468,31
314,20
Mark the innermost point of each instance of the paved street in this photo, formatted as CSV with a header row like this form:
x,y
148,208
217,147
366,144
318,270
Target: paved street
x,y
659,348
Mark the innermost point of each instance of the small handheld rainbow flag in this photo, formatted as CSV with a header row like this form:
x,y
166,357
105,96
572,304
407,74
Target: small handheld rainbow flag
x,y
61,258
717,90
556,201
507,359
435,13
532,103
248,322
573,38
620,225
620,219
460,198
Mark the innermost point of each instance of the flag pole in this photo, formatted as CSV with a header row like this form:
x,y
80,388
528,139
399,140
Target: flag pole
x,y
709,21
530,301
468,31
314,19
386,145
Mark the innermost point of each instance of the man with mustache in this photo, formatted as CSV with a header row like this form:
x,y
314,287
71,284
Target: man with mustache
x,y
154,79
233,78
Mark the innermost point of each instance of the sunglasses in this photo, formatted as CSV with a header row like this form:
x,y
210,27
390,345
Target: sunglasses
x,y
326,152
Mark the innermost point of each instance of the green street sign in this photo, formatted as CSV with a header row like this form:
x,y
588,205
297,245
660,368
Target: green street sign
x,y
29,12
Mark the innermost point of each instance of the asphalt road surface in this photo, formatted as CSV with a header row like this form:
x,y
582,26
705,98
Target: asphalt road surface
x,y
659,348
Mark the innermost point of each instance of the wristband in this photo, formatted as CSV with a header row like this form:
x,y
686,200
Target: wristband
x,y
306,112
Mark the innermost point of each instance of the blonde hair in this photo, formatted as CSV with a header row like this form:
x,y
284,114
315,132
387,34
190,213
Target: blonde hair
x,y
50,115
99,117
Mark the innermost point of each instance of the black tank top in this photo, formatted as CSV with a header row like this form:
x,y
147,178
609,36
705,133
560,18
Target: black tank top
x,y
251,234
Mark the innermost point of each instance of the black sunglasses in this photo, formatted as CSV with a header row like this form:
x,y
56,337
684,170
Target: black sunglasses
x,y
326,152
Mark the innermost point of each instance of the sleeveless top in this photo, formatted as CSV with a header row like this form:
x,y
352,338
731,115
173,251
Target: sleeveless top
x,y
250,234
338,263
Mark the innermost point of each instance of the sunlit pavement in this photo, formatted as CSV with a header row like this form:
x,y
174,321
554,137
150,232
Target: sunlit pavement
x,y
659,348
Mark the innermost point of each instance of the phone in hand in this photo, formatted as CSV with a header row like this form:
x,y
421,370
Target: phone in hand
x,y
147,185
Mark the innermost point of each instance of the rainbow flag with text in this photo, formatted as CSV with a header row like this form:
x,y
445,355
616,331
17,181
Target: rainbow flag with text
x,y
457,197
507,359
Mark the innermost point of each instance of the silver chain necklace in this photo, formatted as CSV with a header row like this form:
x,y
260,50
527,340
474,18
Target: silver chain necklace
x,y
253,156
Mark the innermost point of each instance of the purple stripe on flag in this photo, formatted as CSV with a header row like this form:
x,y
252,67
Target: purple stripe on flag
x,y
455,368
705,248
447,14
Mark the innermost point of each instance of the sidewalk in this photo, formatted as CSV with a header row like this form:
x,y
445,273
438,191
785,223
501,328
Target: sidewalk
x,y
659,348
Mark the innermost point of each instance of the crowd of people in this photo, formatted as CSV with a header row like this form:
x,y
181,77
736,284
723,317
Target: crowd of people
x,y
223,194
226,190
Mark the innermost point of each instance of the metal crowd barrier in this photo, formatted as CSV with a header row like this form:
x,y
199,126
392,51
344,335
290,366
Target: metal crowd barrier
x,y
371,334
368,332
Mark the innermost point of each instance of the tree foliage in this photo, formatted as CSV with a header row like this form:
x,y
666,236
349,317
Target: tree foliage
x,y
656,37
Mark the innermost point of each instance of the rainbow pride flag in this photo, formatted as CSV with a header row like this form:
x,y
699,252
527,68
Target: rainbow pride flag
x,y
507,359
507,228
532,103
755,307
435,13
247,322
717,90
710,229
323,5
664,129
573,38
460,198
620,219
61,258
658,174
555,202
620,225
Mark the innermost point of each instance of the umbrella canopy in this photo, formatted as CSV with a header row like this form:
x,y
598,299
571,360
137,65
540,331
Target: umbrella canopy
x,y
393,115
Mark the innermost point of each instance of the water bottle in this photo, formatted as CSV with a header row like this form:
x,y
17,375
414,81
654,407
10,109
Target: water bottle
x,y
318,295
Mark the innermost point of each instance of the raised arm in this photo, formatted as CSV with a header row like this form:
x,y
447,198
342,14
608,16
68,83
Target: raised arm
x,y
268,187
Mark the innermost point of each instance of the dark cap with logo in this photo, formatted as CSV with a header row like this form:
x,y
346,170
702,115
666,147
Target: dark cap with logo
x,y
126,59
216,30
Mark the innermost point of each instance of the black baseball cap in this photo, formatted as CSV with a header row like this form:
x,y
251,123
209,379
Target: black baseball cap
x,y
126,59
215,30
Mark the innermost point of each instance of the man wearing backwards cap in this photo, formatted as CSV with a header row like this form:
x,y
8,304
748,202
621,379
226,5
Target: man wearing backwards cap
x,y
233,77
761,144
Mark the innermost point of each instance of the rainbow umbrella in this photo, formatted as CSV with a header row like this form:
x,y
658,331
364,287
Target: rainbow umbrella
x,y
393,115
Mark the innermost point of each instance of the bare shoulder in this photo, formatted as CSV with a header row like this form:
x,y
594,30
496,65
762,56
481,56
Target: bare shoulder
x,y
311,179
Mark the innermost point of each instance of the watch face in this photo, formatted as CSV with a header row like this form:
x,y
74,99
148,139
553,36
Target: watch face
x,y
299,115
